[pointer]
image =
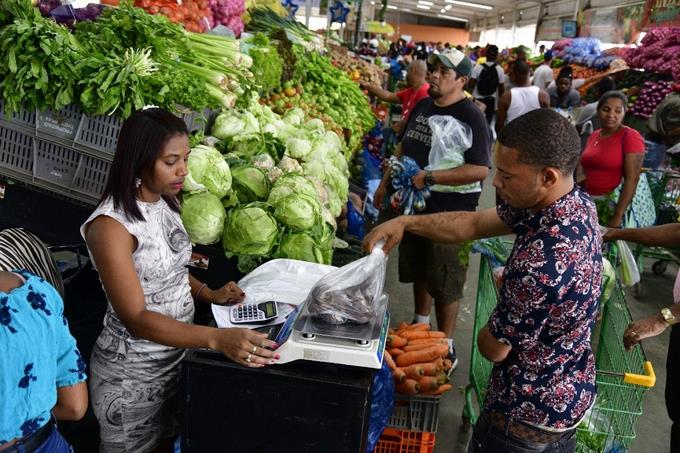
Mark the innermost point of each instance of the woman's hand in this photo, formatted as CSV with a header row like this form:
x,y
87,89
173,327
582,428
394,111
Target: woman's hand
x,y
643,328
229,294
244,346
379,196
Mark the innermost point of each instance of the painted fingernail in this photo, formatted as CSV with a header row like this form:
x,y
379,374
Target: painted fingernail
x,y
272,362
275,345
243,294
277,357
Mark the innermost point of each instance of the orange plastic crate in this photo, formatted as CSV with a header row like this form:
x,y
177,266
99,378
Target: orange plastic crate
x,y
400,441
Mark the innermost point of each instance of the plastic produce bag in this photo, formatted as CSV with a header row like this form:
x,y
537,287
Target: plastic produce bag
x,y
350,294
630,274
450,139
382,405
407,199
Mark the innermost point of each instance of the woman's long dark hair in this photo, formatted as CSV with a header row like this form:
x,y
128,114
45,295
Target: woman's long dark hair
x,y
141,139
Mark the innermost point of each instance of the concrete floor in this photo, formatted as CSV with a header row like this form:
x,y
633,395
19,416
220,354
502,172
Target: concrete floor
x,y
653,427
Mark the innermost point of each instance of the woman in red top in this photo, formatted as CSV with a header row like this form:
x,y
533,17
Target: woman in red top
x,y
612,154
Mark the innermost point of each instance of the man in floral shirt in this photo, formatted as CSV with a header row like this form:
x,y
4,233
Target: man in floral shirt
x,y
539,334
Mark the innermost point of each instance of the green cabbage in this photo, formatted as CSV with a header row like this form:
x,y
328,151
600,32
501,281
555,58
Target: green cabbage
x,y
288,164
228,125
250,230
301,246
297,211
207,171
290,184
203,217
250,184
298,148
263,161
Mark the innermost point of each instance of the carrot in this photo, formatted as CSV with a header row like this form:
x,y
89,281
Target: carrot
x,y
413,371
447,364
417,347
440,363
402,326
390,361
396,352
442,378
398,375
441,389
395,341
391,331
428,341
418,327
408,387
424,355
414,335
428,383
429,368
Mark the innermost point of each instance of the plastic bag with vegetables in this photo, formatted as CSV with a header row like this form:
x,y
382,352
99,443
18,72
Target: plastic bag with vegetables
x,y
450,139
351,293
407,199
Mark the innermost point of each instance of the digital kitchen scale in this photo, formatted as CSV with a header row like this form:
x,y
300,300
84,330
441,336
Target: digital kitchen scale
x,y
305,337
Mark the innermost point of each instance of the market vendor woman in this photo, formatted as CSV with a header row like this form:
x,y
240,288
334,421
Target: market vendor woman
x,y
140,249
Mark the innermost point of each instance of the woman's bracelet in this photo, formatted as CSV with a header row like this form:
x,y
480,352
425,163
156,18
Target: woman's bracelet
x,y
198,293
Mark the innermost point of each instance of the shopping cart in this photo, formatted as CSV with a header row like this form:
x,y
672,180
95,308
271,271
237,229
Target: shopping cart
x,y
623,376
665,187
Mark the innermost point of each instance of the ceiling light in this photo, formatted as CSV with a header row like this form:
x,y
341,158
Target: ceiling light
x,y
447,7
372,2
422,6
406,9
422,2
471,5
443,11
459,19
391,7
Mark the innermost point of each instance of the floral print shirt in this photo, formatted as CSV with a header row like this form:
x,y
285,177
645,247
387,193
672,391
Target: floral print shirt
x,y
38,355
546,311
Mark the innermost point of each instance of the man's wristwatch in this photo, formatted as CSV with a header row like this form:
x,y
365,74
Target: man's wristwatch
x,y
429,179
667,316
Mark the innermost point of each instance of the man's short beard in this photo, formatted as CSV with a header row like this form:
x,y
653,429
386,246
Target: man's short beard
x,y
434,94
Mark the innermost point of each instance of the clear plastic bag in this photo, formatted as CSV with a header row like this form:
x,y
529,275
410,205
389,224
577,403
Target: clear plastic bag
x,y
350,294
450,139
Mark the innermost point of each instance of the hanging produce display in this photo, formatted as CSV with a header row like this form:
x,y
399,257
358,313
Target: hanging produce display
x,y
658,52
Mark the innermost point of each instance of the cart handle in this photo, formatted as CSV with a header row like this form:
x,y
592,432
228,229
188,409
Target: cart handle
x,y
646,380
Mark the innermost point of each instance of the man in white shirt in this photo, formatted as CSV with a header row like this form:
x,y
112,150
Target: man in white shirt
x,y
486,86
544,73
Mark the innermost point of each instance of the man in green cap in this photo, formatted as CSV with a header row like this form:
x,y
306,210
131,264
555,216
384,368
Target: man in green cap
x,y
434,268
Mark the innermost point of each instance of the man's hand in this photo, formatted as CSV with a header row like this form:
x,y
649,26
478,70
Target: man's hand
x,y
418,179
364,84
615,221
379,197
643,328
391,232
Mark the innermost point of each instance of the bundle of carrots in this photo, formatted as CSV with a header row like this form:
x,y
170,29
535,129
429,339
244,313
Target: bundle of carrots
x,y
417,357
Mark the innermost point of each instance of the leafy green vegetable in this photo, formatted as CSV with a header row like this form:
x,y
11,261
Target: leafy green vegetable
x,y
302,246
250,184
208,171
203,217
266,63
291,184
297,211
250,233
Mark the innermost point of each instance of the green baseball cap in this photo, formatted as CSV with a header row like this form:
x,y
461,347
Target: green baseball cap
x,y
453,59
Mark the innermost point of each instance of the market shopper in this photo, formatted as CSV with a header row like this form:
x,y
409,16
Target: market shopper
x,y
659,236
139,247
521,98
562,94
664,131
487,82
543,380
408,97
613,156
432,267
544,73
42,378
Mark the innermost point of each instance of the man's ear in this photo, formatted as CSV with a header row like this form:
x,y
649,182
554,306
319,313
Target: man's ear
x,y
550,177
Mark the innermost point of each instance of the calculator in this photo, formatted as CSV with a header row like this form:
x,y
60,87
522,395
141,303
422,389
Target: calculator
x,y
253,313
